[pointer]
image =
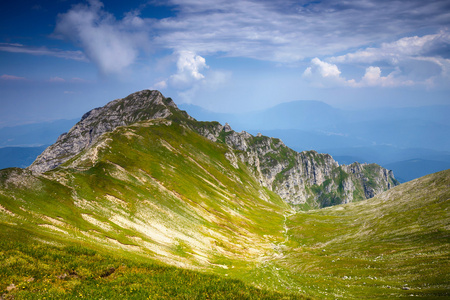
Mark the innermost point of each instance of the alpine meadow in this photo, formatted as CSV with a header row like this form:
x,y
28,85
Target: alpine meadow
x,y
141,201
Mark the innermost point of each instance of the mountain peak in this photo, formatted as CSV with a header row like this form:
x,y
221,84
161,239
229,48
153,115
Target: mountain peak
x,y
139,106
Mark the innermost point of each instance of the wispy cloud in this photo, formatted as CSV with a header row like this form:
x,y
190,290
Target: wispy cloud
x,y
19,48
286,31
433,45
56,79
11,77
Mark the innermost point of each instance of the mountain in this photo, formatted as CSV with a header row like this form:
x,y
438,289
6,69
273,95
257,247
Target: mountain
x,y
100,120
108,221
113,218
306,178
382,136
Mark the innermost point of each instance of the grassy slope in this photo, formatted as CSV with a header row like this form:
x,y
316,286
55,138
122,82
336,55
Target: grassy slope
x,y
158,192
147,191
394,245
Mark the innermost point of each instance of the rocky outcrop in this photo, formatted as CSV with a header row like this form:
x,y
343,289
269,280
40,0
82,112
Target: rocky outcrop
x,y
301,178
143,105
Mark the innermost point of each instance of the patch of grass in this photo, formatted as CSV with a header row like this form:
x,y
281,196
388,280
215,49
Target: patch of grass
x,y
39,271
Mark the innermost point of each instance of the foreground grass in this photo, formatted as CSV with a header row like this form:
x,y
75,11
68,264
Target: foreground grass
x,y
41,271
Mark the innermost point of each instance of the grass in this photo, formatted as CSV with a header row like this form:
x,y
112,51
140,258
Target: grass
x,y
41,271
154,210
396,245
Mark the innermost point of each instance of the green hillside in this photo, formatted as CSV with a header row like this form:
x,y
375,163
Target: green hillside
x,y
154,190
155,210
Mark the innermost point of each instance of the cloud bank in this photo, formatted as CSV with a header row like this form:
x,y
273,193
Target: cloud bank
x,y
288,31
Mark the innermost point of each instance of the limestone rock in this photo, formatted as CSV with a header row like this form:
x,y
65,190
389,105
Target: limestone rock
x,y
306,177
139,106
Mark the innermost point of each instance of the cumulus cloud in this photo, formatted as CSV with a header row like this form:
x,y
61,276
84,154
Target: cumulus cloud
x,y
189,66
324,74
373,77
424,60
323,68
193,76
111,44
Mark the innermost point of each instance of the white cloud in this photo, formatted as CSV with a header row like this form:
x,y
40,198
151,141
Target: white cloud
x,y
111,44
373,77
415,60
325,69
11,77
323,74
404,48
193,76
189,66
160,85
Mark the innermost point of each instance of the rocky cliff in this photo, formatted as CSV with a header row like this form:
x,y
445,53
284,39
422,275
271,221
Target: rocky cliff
x,y
139,106
308,178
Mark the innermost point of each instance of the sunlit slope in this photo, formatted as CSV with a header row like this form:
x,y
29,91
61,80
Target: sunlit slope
x,y
154,189
158,191
394,245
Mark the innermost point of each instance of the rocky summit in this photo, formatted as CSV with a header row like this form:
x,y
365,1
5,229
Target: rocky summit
x,y
143,105
307,178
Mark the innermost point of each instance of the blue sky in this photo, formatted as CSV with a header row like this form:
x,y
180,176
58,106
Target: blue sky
x,y
59,59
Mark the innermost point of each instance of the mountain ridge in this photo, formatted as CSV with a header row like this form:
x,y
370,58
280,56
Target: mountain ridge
x,y
156,190
305,178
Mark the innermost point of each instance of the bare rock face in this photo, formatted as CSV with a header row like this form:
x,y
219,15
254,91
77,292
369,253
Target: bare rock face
x,y
143,105
302,178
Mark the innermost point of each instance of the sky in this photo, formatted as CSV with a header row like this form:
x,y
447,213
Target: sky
x,y
61,58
